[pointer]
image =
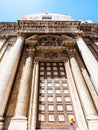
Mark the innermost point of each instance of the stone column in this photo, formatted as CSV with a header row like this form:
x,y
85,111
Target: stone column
x,y
90,87
89,60
8,72
34,113
81,122
31,98
19,121
23,95
2,42
3,47
88,106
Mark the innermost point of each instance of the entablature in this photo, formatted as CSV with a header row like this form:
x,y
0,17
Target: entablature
x,y
89,27
47,26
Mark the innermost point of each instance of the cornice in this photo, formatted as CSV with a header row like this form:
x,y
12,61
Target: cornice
x,y
48,27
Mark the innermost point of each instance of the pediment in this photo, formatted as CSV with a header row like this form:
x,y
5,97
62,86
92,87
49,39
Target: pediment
x,y
50,40
32,40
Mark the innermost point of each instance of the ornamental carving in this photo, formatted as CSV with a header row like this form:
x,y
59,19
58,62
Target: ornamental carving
x,y
50,40
95,28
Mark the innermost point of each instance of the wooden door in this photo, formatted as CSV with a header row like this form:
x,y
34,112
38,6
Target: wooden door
x,y
54,101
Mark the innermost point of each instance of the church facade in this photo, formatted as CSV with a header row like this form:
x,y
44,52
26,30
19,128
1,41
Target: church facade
x,y
48,73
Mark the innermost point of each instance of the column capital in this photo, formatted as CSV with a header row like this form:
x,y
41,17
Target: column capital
x,y
79,34
21,34
19,118
1,118
30,51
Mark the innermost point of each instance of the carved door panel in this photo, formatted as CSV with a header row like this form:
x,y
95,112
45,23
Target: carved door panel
x,y
54,101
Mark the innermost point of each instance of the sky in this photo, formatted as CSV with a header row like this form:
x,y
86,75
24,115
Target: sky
x,y
12,10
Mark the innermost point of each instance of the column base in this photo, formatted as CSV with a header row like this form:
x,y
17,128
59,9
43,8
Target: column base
x,y
1,123
92,122
18,123
81,129
19,118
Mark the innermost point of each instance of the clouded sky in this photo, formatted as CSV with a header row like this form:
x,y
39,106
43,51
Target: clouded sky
x,y
12,10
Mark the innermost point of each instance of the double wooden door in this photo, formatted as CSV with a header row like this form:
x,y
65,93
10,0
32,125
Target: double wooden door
x,y
54,101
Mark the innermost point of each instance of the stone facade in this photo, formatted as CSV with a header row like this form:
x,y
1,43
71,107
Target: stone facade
x,y
48,73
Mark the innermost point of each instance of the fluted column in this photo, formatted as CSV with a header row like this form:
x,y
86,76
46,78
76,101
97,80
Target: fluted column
x,y
23,95
2,42
2,49
75,98
19,121
8,72
31,98
85,98
34,113
89,60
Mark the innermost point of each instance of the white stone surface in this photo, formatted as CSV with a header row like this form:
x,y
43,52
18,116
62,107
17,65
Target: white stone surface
x,y
8,72
35,86
89,60
18,125
53,16
75,98
23,95
86,100
2,41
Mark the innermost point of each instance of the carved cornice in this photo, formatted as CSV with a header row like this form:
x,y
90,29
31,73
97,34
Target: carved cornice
x,y
26,26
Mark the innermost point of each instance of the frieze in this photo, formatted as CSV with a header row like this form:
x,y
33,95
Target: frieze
x,y
8,26
23,26
89,27
46,49
47,26
29,23
65,52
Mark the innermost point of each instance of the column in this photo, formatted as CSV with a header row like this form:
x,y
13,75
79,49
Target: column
x,y
89,60
75,98
31,98
23,95
3,47
88,106
8,72
2,42
19,121
90,87
34,113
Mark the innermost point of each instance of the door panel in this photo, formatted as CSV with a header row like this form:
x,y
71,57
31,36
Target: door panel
x,y
54,101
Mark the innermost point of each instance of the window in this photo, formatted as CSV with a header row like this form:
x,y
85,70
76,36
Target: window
x,y
46,18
